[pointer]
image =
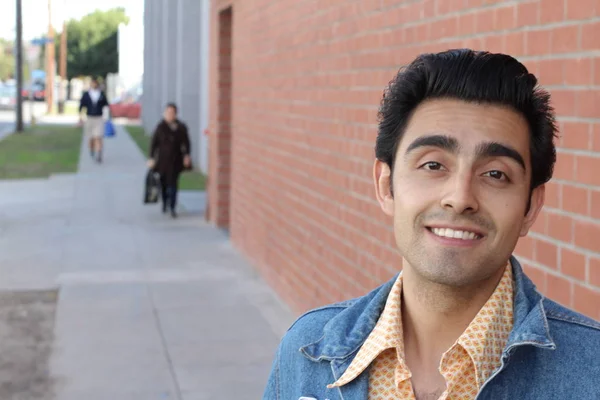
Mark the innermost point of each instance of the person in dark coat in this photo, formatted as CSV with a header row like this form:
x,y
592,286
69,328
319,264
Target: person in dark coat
x,y
170,155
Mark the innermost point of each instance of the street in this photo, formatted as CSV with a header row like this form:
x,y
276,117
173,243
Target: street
x,y
7,117
7,122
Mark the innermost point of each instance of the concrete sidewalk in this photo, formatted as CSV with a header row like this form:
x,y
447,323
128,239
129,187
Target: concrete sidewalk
x,y
149,307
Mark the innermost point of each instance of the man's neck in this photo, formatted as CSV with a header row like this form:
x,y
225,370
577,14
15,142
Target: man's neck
x,y
434,316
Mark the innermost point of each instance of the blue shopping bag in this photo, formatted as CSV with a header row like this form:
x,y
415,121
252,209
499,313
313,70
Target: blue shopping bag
x,y
109,129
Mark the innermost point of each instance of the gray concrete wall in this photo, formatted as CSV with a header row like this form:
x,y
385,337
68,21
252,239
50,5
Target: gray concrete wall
x,y
176,67
189,87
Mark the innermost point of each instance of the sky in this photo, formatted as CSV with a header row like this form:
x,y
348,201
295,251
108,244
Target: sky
x,y
35,14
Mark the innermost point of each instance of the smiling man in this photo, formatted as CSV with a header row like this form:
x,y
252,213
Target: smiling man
x,y
464,148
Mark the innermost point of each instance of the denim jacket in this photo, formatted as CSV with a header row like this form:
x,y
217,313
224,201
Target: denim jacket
x,y
552,352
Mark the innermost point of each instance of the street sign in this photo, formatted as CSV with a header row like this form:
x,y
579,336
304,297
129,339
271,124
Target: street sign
x,y
41,41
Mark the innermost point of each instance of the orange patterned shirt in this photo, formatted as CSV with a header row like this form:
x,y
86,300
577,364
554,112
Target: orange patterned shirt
x,y
465,366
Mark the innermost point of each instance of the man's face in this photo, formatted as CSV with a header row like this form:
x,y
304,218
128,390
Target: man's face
x,y
170,114
94,85
461,186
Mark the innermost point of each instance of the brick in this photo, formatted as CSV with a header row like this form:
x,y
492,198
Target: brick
x,y
594,267
547,254
484,21
558,289
540,224
428,8
539,42
537,275
526,247
444,28
515,43
550,72
531,65
587,301
565,102
576,135
596,137
586,235
588,103
528,13
572,264
474,43
552,11
589,36
495,43
447,6
552,195
466,24
587,170
565,39
575,199
578,71
596,72
564,167
505,18
560,227
475,3
580,9
595,204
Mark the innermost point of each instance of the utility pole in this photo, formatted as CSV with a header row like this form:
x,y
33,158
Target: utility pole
x,y
50,57
63,69
19,67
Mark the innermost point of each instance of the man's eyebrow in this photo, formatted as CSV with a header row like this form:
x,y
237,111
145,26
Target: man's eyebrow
x,y
443,142
495,149
450,144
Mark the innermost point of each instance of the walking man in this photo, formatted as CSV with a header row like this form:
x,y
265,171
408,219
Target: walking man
x,y
463,151
169,155
94,101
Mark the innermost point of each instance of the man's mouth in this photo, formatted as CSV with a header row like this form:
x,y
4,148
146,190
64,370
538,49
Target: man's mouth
x,y
455,233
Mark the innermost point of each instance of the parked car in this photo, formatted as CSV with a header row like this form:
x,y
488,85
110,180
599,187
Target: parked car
x,y
8,97
126,106
38,90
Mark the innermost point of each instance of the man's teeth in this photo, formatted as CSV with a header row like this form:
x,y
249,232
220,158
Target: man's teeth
x,y
451,233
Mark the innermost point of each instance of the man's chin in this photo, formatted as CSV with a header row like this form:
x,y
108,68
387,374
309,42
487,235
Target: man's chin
x,y
447,272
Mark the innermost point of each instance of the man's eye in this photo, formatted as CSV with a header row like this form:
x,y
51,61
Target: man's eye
x,y
499,175
432,166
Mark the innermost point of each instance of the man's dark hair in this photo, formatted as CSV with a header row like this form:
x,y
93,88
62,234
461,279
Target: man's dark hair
x,y
173,106
472,76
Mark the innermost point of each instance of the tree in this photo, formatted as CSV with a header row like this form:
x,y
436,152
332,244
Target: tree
x,y
7,61
92,47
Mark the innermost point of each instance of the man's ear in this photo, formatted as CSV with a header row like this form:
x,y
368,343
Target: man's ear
x,y
536,203
382,177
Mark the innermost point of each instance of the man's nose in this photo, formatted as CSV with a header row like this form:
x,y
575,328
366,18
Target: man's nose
x,y
460,195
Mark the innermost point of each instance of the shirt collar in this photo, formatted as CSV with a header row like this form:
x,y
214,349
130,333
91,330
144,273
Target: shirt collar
x,y
387,334
345,333
484,339
485,346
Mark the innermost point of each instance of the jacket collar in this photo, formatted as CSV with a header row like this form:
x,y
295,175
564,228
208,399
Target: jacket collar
x,y
346,332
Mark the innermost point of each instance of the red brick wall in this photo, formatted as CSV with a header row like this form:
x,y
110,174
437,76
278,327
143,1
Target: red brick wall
x,y
219,181
307,79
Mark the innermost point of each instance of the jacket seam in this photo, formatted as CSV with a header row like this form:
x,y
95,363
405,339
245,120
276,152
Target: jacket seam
x,y
570,319
327,357
329,307
277,378
545,314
